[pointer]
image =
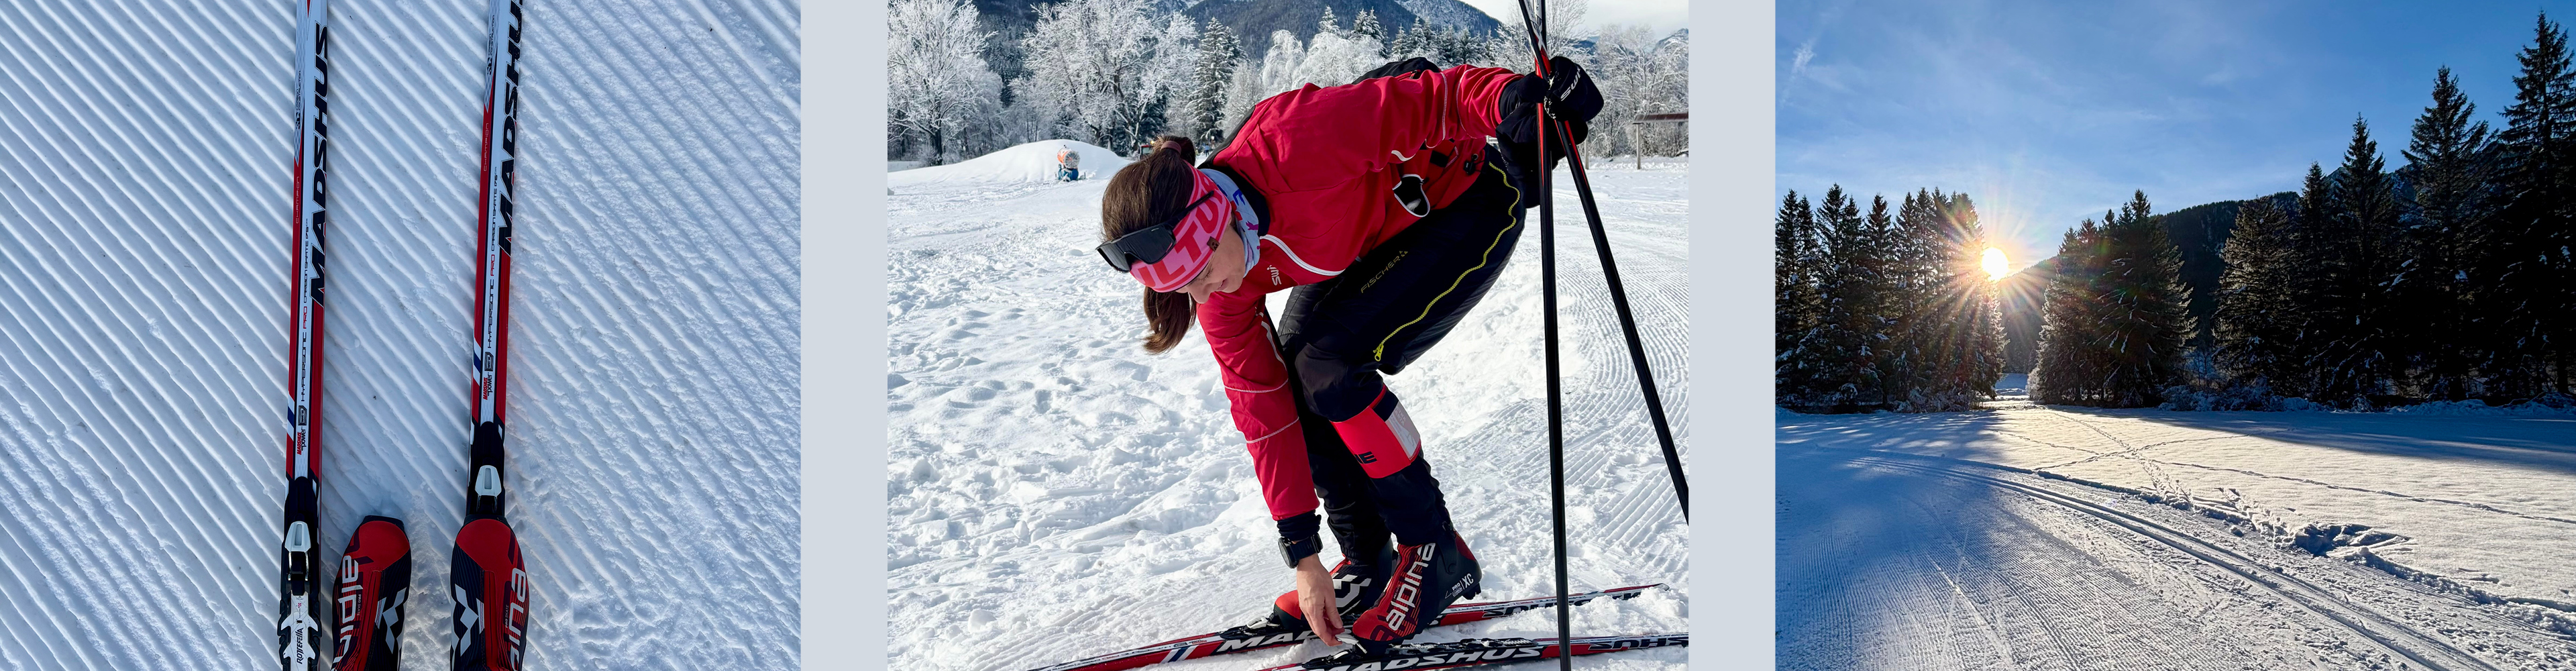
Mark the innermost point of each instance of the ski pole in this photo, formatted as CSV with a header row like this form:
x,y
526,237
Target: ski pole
x,y
1555,399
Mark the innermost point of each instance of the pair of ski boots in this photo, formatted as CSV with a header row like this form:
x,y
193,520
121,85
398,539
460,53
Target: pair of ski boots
x,y
1385,599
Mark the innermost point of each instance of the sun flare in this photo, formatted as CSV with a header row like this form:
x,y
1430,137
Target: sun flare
x,y
1996,265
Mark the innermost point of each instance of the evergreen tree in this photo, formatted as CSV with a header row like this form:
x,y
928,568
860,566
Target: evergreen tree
x,y
2257,312
1220,54
2523,283
2069,370
1899,354
1977,330
1365,25
2146,316
1797,302
2310,244
2445,163
1412,41
1851,332
2358,263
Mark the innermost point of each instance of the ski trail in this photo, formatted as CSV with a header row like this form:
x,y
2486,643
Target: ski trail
x,y
144,306
2049,578
2422,648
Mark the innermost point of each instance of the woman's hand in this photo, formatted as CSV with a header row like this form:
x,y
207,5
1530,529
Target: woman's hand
x,y
1315,600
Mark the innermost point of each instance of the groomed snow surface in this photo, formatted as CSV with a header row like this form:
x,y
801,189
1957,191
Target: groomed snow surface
x,y
2026,536
1057,493
144,288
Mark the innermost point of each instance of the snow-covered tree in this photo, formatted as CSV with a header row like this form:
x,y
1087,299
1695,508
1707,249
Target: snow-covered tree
x,y
1279,66
1203,103
1241,94
1365,26
1101,68
1510,46
1335,58
937,83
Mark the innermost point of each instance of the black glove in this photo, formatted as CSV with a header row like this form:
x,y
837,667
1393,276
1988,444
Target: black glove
x,y
1578,100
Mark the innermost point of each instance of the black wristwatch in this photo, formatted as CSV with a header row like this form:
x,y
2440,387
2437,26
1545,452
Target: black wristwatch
x,y
1295,549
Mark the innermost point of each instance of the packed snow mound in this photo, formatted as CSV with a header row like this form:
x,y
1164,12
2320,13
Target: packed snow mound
x,y
1032,162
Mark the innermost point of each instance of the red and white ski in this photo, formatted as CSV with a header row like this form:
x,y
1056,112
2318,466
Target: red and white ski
x,y
486,577
1479,652
1238,640
301,642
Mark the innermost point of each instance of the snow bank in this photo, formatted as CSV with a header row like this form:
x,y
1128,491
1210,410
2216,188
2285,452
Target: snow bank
x,y
1032,162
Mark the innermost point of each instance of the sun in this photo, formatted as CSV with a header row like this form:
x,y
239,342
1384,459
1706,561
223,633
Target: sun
x,y
1996,265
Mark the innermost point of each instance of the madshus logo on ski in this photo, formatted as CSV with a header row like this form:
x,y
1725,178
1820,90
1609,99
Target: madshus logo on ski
x,y
1268,634
487,578
1479,652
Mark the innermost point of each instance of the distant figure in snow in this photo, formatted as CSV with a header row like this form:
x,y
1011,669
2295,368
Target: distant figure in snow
x,y
1389,205
1068,165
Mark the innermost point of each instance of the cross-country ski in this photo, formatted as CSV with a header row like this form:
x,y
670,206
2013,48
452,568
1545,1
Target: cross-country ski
x,y
1480,652
1270,633
487,578
305,593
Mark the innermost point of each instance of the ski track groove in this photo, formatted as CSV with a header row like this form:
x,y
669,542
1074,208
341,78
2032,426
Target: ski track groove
x,y
2132,453
143,284
935,378
2307,595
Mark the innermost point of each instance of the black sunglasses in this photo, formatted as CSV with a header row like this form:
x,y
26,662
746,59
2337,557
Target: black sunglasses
x,y
1149,244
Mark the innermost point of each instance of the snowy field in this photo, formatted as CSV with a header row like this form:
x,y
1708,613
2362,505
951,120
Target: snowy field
x,y
2027,536
144,289
1056,493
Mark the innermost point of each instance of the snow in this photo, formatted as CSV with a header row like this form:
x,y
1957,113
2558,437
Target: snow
x,y
2453,524
1031,162
1056,493
144,276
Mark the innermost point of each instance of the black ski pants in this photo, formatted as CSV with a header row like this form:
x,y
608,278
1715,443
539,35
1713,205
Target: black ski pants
x,y
1340,336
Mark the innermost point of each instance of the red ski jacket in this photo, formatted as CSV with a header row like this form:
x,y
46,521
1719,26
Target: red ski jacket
x,y
1327,161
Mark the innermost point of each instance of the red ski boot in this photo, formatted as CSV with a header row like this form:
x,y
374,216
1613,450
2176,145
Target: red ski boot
x,y
1425,580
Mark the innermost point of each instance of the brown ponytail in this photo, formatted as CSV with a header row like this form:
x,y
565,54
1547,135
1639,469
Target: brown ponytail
x,y
1154,189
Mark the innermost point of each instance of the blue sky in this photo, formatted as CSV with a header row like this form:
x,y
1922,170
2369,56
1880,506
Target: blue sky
x,y
2048,113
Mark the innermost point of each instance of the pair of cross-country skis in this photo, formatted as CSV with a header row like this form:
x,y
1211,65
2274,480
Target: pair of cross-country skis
x,y
349,616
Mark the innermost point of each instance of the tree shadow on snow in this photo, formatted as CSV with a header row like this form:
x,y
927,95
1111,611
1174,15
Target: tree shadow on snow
x,y
2544,443
1860,547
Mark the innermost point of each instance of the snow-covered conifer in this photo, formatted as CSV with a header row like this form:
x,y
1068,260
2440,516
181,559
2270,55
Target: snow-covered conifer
x,y
937,82
1203,103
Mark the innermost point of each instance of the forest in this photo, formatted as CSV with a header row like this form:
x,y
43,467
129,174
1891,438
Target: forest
x,y
1115,73
2448,279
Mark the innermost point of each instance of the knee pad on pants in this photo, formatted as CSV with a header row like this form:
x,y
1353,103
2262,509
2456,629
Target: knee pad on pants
x,y
1381,437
